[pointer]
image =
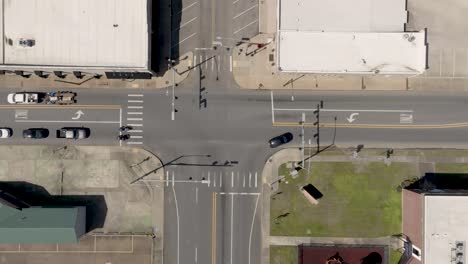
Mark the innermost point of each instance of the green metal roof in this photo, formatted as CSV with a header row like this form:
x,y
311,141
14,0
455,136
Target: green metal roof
x,y
38,225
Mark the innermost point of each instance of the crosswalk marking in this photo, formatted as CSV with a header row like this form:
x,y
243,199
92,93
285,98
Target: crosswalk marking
x,y
250,179
232,179
255,179
135,131
135,95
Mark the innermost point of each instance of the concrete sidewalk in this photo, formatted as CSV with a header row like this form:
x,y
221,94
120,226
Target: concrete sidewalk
x,y
53,82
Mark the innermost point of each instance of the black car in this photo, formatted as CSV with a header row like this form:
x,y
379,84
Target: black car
x,y
36,133
280,140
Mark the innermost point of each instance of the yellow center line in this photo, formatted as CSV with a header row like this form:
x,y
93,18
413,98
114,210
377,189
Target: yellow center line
x,y
374,126
213,231
97,107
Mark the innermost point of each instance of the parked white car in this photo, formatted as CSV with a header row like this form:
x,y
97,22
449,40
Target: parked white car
x,y
5,132
23,98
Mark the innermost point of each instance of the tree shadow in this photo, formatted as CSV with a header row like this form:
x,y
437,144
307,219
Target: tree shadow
x,y
372,258
22,194
441,182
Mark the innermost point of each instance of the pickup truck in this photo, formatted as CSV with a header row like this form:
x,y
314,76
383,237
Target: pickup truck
x,y
73,132
24,98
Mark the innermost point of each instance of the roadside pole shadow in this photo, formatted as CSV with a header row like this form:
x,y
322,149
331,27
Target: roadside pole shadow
x,y
29,195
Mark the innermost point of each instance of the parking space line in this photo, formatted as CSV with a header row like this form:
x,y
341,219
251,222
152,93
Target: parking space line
x,y
135,107
136,136
135,125
245,11
134,113
232,179
187,7
180,42
135,95
134,118
242,28
135,131
135,101
186,23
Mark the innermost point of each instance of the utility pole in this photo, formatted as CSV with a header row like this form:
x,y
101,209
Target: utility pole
x,y
302,138
317,124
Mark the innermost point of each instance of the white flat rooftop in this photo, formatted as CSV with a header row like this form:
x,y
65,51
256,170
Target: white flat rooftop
x,y
444,224
346,52
343,15
80,33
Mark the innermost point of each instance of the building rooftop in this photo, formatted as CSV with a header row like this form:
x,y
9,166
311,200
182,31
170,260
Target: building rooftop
x,y
343,15
86,34
341,36
347,52
444,226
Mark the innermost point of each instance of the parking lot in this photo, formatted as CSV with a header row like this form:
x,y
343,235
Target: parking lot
x,y
447,39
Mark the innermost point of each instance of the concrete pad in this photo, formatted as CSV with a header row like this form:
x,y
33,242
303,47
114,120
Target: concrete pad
x,y
114,243
92,173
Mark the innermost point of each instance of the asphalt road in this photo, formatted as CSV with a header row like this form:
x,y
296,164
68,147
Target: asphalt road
x,y
221,148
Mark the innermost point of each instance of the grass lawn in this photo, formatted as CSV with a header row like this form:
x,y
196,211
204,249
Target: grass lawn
x,y
283,255
359,200
394,257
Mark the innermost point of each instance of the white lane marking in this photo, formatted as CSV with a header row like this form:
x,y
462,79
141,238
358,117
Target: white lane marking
x,y
242,28
136,136
135,101
250,179
239,193
167,178
196,255
186,23
134,118
255,179
134,113
134,143
406,118
208,179
196,195
177,214
346,110
230,63
243,184
245,11
135,125
67,121
173,178
135,131
238,179
251,227
135,107
232,224
180,42
221,179
135,95
232,179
